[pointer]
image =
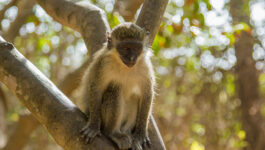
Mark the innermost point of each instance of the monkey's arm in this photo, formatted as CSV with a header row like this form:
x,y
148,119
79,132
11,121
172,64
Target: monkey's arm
x,y
92,101
140,135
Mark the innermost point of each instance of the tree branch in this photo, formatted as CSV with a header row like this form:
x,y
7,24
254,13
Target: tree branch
x,y
127,9
151,9
83,17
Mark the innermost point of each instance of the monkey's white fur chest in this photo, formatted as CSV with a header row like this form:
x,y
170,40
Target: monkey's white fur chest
x,y
130,81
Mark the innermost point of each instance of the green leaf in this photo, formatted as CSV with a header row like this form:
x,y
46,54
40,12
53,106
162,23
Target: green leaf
x,y
241,27
231,38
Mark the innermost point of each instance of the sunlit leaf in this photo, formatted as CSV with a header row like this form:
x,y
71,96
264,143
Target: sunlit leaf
x,y
241,27
196,146
241,134
14,117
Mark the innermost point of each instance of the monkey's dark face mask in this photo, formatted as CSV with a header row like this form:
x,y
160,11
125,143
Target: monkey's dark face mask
x,y
129,52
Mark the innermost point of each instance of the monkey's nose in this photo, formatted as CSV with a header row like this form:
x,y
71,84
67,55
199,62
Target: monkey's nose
x,y
131,58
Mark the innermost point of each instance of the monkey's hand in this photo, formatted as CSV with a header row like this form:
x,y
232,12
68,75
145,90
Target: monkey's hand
x,y
140,140
89,132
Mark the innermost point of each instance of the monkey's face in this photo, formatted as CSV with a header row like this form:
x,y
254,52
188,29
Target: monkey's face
x,y
129,52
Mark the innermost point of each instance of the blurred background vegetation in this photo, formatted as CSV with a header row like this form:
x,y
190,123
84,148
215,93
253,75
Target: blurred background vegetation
x,y
209,62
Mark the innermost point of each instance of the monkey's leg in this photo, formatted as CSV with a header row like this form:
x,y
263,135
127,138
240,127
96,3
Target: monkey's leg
x,y
112,116
140,134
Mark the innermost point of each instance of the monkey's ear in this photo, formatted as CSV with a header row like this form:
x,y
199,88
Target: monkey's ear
x,y
109,42
146,37
146,32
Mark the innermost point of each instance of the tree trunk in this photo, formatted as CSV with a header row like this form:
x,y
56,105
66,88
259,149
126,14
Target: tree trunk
x,y
247,80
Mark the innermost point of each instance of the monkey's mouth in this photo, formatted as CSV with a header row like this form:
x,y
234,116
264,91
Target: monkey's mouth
x,y
129,63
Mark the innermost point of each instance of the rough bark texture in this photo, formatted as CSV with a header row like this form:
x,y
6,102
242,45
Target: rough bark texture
x,y
247,80
25,126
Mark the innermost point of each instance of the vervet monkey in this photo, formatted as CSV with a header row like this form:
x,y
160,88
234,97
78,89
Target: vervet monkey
x,y
119,89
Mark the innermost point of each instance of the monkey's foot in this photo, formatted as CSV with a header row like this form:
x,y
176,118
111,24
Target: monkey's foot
x,y
89,133
140,142
122,140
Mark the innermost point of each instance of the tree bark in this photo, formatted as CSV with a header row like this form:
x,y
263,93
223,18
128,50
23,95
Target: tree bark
x,y
127,9
247,80
151,9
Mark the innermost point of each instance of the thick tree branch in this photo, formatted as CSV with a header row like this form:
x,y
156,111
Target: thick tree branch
x,y
127,9
151,15
83,17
